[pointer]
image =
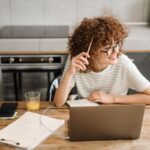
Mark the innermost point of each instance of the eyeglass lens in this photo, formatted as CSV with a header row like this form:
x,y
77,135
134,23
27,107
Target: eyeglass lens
x,y
112,50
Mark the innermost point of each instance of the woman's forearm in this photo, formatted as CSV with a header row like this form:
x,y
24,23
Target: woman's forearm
x,y
133,99
77,63
63,90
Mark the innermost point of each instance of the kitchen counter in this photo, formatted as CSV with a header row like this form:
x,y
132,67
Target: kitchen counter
x,y
33,52
53,52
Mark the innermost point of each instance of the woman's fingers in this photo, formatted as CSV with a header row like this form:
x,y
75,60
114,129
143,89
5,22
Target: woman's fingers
x,y
84,54
93,99
83,59
79,67
80,61
94,96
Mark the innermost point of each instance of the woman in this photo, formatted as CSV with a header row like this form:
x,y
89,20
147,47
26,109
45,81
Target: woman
x,y
98,68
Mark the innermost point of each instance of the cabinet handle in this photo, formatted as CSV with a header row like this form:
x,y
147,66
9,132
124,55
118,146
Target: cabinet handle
x,y
132,60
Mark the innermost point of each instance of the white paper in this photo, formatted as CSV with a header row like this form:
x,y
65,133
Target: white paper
x,y
28,130
81,103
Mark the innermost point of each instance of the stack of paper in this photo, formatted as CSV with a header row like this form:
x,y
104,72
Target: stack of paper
x,y
27,131
81,103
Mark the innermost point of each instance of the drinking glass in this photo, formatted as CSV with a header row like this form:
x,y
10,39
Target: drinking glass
x,y
32,100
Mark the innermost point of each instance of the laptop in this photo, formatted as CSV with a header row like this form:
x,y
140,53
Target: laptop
x,y
105,122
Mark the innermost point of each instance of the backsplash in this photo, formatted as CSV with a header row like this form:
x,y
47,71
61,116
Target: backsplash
x,y
69,12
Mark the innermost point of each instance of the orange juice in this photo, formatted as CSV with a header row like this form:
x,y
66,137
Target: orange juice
x,y
33,105
32,100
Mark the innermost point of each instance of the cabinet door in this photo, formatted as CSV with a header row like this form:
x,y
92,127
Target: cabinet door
x,y
142,61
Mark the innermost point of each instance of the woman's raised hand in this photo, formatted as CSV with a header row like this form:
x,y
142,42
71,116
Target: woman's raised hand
x,y
79,62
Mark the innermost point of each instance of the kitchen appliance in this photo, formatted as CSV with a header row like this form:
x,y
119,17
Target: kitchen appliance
x,y
21,73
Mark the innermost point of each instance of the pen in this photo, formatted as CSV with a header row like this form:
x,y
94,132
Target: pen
x,y
90,45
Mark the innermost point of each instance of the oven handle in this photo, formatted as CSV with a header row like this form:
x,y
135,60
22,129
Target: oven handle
x,y
33,66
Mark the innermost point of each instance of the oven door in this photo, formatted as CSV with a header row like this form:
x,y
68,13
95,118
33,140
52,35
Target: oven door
x,y
17,82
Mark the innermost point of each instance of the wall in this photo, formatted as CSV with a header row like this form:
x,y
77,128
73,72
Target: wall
x,y
42,13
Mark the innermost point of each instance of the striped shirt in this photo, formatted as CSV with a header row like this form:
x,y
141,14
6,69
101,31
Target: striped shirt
x,y
115,79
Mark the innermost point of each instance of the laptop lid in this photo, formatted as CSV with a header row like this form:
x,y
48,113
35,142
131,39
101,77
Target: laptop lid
x,y
106,122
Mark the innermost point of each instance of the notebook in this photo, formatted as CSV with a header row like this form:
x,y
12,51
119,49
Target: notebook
x,y
27,131
106,122
81,103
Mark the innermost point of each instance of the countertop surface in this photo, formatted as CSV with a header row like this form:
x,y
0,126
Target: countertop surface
x,y
33,52
54,52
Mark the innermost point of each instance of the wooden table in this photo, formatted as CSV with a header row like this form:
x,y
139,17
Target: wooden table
x,y
56,143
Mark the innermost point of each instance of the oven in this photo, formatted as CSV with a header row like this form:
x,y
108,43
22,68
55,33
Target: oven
x,y
21,73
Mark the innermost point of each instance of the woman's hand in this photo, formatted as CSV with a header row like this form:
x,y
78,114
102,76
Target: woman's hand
x,y
102,97
79,62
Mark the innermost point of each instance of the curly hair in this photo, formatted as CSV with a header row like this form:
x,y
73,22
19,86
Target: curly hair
x,y
104,31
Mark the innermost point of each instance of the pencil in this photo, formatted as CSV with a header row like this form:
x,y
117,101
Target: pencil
x,y
90,45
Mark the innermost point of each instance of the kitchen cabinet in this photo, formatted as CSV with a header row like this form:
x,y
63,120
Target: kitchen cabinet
x,y
142,61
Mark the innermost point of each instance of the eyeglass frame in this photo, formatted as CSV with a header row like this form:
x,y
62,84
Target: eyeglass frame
x,y
112,49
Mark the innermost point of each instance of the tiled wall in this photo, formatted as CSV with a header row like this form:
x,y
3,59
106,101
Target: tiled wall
x,y
15,14
44,12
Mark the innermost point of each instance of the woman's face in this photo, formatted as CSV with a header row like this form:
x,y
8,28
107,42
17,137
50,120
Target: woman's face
x,y
108,55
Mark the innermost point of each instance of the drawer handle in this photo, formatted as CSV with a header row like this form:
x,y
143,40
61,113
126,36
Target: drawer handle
x,y
132,60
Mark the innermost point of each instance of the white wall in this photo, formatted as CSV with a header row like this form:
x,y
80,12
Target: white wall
x,y
43,12
65,12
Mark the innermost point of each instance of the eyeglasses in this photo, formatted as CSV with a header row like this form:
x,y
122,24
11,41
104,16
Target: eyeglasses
x,y
111,49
